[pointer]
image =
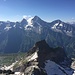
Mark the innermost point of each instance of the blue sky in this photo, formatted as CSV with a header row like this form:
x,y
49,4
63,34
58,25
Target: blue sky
x,y
48,10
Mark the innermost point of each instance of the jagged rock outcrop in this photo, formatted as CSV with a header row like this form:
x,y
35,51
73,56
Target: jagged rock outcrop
x,y
44,60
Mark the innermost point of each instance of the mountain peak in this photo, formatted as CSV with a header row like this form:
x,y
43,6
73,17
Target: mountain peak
x,y
44,51
36,18
42,45
24,22
57,21
23,19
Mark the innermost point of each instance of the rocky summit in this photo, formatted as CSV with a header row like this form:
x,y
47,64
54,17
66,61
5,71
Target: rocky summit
x,y
44,60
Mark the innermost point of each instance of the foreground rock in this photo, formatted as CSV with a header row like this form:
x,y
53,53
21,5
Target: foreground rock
x,y
43,60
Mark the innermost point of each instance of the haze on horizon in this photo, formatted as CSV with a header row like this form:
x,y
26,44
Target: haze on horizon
x,y
48,10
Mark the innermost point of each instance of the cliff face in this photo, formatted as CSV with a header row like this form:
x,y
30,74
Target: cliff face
x,y
44,60
45,52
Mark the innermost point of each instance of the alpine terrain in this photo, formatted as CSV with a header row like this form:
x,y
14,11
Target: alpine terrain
x,y
42,60
21,36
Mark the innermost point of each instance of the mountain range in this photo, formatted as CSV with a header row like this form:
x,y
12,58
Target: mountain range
x,y
21,36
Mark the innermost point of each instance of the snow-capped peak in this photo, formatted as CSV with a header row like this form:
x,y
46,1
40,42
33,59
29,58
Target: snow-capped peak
x,y
29,20
29,26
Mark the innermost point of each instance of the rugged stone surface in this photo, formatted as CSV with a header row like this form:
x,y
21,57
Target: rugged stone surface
x,y
42,59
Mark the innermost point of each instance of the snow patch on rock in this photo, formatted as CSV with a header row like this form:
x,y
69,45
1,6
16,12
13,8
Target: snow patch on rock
x,y
52,68
18,73
9,67
14,26
7,28
54,26
33,57
61,24
69,33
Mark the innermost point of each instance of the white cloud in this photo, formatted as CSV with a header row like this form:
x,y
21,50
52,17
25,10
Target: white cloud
x,y
26,16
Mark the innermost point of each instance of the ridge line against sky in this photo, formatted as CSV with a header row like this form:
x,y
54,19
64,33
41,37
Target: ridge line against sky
x,y
48,10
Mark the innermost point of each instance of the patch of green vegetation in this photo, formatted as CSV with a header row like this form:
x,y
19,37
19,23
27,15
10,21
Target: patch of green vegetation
x,y
8,59
21,61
